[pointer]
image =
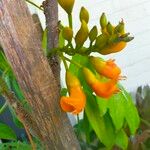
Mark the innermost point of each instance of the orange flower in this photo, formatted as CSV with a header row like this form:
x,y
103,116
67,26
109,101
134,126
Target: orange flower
x,y
114,48
77,99
102,89
106,68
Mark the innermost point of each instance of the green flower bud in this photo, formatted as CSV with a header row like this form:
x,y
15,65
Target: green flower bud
x,y
124,35
113,39
103,21
127,39
84,15
93,34
67,33
67,5
101,41
110,28
82,34
120,28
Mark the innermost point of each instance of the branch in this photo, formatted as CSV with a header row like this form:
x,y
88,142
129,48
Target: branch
x,y
51,14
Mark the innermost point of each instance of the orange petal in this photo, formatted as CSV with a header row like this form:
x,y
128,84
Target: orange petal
x,y
111,62
77,92
111,70
113,48
74,105
65,106
105,90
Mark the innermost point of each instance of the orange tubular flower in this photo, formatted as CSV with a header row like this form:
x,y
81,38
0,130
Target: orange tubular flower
x,y
114,48
102,89
106,68
77,99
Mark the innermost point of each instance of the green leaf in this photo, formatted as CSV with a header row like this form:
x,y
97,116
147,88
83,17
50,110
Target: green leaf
x,y
116,105
131,114
82,60
6,132
107,124
3,62
122,139
15,146
16,89
102,126
87,128
16,120
61,40
63,92
103,105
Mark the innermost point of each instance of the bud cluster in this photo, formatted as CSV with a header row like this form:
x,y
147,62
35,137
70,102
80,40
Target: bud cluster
x,y
105,39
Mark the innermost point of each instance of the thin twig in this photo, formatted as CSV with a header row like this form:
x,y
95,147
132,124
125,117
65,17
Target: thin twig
x,y
145,122
34,4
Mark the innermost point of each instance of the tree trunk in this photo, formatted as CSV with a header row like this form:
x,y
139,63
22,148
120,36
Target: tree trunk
x,y
22,46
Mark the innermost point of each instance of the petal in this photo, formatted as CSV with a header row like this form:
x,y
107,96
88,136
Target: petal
x,y
105,90
65,106
77,92
74,105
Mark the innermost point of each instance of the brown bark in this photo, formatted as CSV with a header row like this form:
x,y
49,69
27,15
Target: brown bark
x,y
38,25
51,15
22,46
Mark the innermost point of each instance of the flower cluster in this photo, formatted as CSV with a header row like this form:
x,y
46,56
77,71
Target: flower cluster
x,y
104,84
105,39
109,70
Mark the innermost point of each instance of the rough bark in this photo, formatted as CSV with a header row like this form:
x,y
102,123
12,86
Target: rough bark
x,y
22,46
38,25
51,15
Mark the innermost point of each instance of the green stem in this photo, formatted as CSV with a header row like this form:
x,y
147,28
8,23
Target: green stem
x,y
145,122
73,62
34,4
52,51
3,108
78,119
90,44
70,44
70,20
64,61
